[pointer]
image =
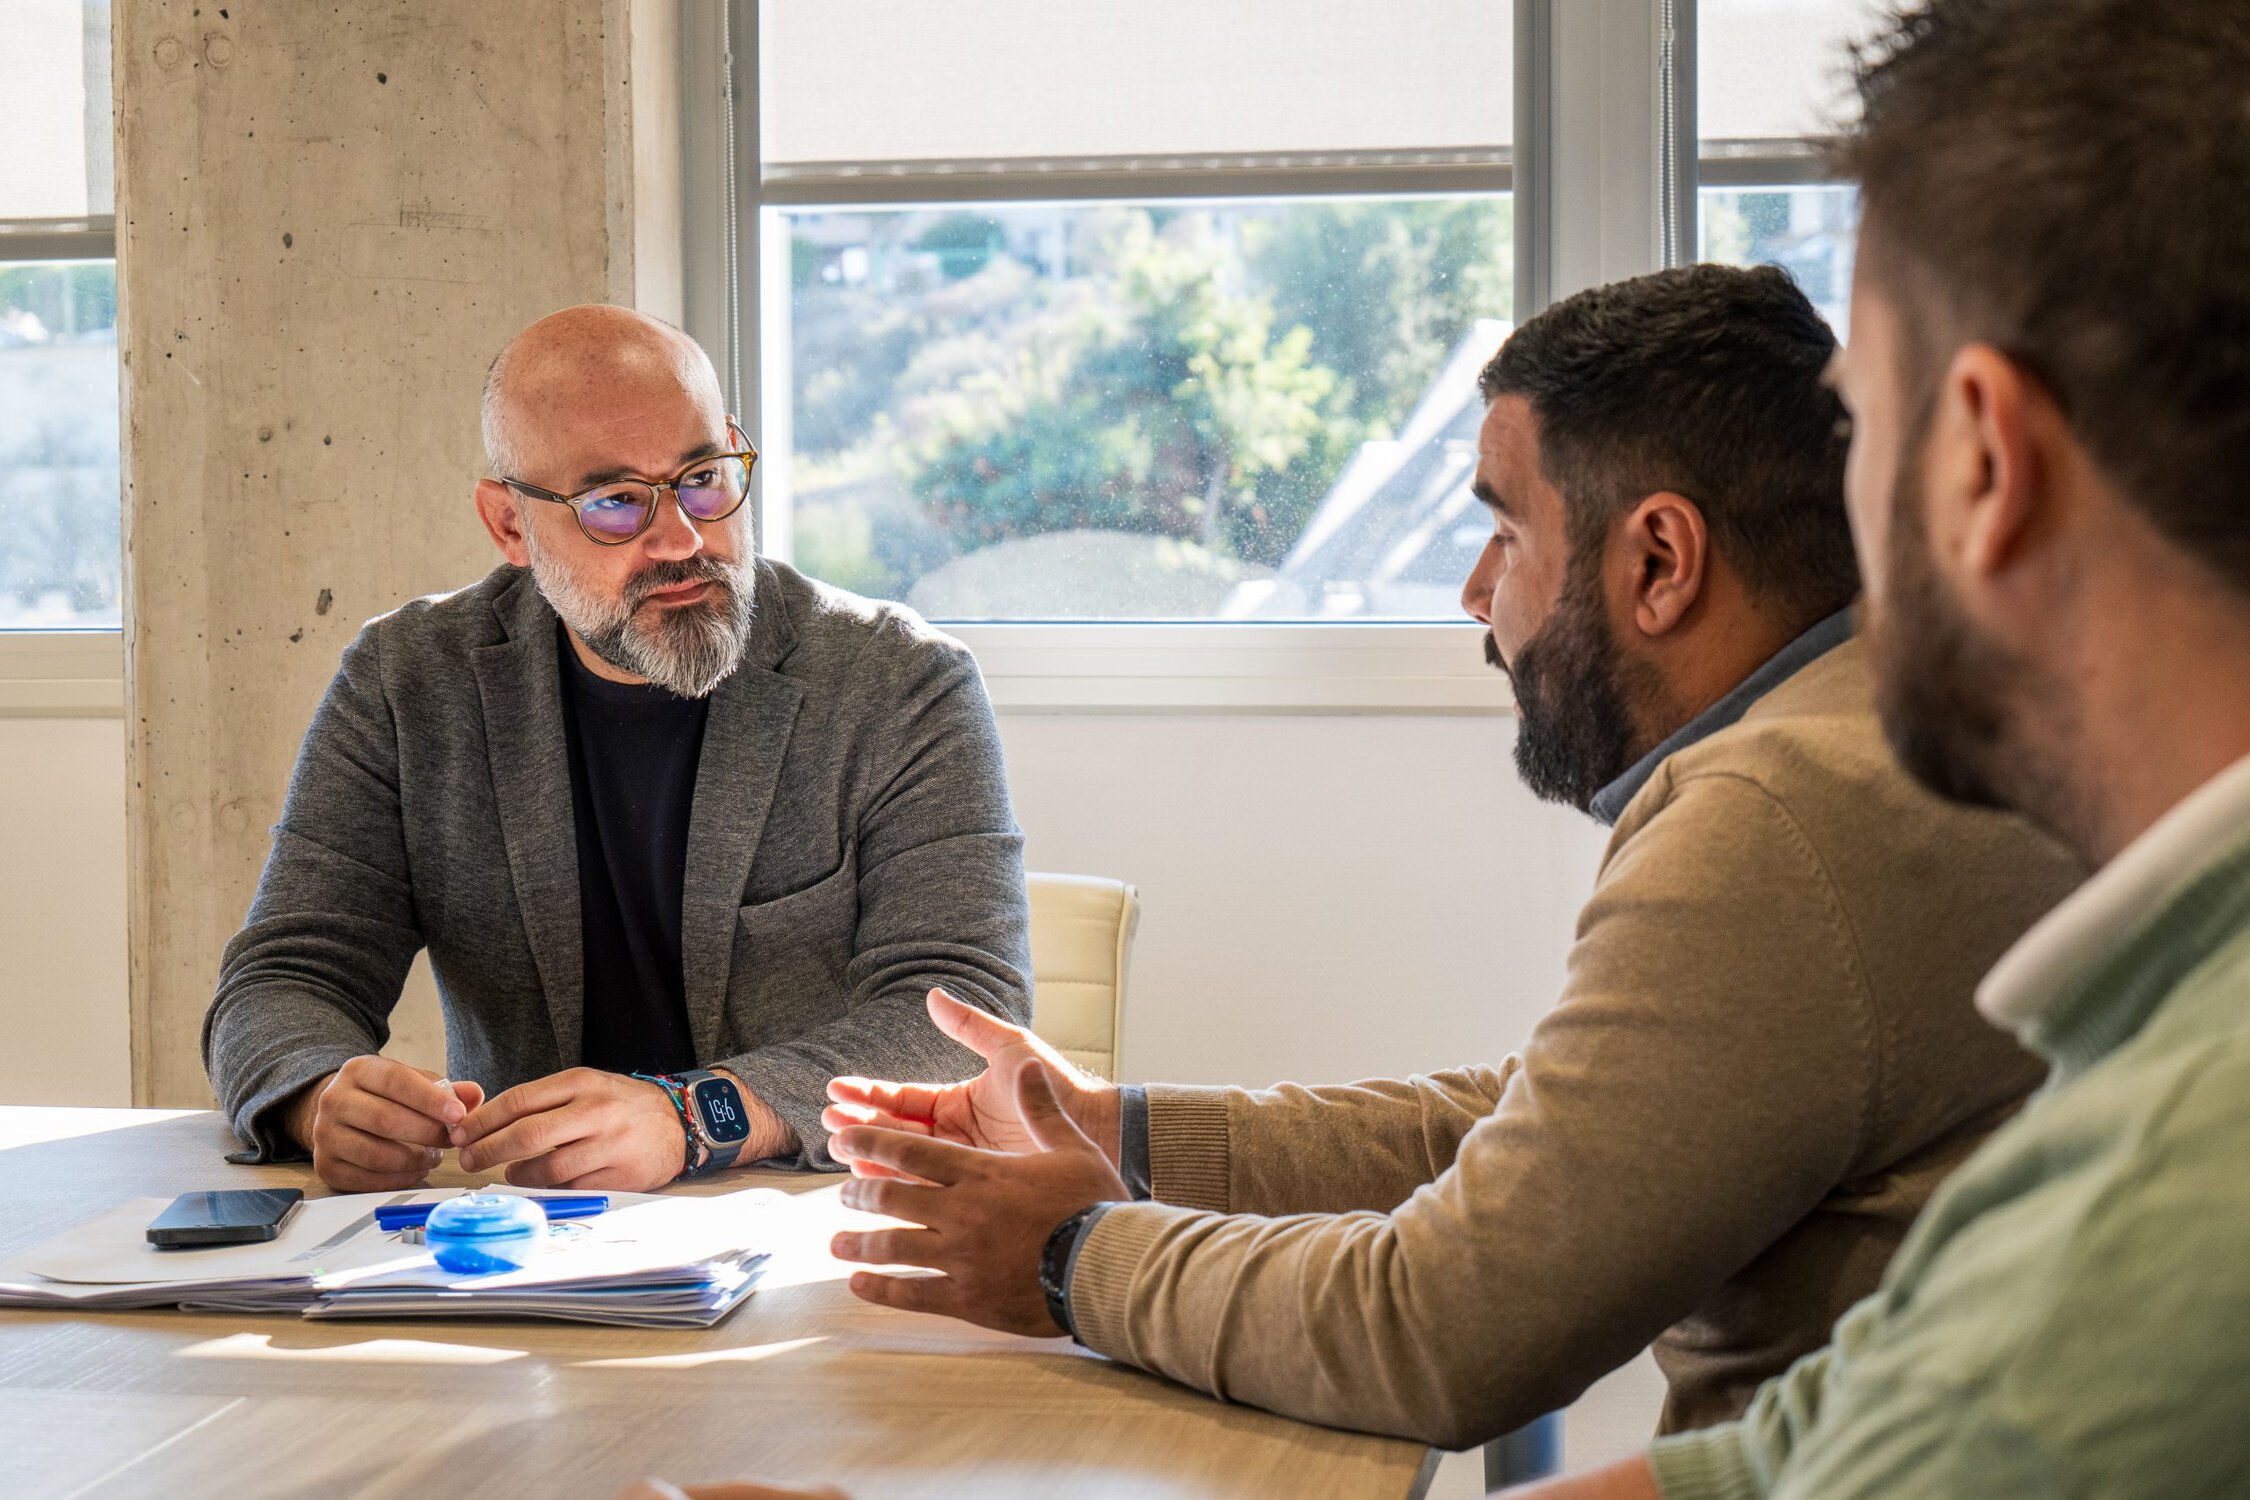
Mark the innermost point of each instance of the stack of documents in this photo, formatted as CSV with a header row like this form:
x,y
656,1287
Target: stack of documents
x,y
650,1262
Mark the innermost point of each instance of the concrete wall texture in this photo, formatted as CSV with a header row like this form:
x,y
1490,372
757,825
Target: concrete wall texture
x,y
329,219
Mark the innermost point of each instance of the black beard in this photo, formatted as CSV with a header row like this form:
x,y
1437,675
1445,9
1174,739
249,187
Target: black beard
x,y
1574,694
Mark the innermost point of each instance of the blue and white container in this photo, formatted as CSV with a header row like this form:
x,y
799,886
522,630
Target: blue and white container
x,y
484,1234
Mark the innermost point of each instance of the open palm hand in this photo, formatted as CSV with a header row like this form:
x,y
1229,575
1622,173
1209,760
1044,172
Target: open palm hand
x,y
979,1111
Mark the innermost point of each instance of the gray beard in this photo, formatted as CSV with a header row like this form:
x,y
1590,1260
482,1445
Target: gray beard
x,y
690,649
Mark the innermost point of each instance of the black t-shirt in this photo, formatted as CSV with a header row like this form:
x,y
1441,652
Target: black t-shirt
x,y
633,754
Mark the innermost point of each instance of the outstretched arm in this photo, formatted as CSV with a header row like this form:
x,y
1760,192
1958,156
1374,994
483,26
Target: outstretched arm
x,y
1688,1101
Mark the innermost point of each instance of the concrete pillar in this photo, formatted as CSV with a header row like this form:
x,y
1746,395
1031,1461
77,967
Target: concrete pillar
x,y
329,218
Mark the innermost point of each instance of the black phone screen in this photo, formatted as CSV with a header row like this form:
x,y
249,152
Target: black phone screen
x,y
233,1217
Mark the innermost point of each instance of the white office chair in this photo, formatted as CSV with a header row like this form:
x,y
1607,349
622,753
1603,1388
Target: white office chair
x,y
1081,941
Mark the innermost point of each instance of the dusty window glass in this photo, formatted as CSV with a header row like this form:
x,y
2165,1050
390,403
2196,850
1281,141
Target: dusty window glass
x,y
59,557
59,552
1255,409
1218,405
1808,229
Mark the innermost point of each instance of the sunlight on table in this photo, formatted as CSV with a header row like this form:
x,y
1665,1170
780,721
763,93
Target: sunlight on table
x,y
741,1356
34,1124
367,1351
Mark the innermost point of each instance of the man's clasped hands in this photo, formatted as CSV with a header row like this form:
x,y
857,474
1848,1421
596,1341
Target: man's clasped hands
x,y
376,1124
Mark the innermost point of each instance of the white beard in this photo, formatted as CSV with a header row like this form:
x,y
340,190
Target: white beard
x,y
692,649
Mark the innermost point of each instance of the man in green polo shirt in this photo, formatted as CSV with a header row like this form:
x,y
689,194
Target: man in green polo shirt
x,y
2049,375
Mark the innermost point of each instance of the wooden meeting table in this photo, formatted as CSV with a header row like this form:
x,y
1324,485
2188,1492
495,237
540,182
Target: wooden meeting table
x,y
803,1384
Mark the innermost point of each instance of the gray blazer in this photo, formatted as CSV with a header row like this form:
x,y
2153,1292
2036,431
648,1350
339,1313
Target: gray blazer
x,y
851,845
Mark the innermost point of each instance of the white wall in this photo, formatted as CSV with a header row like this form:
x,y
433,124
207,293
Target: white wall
x,y
63,1037
1323,898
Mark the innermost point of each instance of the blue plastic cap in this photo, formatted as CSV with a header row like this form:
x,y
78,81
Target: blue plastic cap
x,y
482,1234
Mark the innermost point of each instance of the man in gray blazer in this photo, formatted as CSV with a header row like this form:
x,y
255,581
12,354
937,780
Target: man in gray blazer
x,y
685,834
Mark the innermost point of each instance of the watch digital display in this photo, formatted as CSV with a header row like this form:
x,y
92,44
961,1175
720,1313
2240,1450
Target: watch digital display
x,y
720,1108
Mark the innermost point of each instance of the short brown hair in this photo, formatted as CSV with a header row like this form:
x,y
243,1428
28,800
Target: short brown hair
x,y
2068,181
1706,381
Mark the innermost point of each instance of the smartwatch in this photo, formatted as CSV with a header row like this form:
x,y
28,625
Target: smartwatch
x,y
711,1112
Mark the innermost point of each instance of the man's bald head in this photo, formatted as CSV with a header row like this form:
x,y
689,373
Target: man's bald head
x,y
594,396
562,381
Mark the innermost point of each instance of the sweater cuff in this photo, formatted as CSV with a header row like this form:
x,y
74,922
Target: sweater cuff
x,y
1103,1269
1706,1465
261,1123
1132,1139
1092,1217
1187,1146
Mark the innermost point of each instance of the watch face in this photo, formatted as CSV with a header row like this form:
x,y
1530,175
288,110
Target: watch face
x,y
719,1105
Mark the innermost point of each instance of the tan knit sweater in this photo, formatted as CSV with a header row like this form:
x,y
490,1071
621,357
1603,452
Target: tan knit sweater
x,y
1763,1061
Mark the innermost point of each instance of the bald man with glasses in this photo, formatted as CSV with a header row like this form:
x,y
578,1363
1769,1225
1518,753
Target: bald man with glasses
x,y
684,833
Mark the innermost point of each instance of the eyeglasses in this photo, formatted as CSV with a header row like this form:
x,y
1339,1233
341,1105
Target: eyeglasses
x,y
710,489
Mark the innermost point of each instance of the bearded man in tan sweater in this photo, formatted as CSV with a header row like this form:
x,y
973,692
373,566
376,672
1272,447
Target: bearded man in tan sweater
x,y
1765,1057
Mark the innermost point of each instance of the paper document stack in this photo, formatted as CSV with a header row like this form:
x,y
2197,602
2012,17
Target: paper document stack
x,y
650,1262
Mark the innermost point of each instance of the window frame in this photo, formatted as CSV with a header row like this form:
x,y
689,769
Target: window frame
x,y
62,674
1604,169
1094,666
1585,172
76,673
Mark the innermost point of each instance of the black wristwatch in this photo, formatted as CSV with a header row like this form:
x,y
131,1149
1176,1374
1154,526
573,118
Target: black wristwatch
x,y
1054,1266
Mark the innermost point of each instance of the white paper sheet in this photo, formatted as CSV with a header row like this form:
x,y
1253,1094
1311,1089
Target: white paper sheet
x,y
642,1238
649,1261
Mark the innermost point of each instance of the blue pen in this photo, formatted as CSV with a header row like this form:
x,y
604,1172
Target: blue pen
x,y
392,1216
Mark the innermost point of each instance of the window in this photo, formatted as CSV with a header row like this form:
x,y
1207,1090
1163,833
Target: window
x,y
1233,409
1167,314
1209,355
59,513
1772,77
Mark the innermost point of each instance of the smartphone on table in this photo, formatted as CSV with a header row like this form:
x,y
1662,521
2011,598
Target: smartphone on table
x,y
239,1216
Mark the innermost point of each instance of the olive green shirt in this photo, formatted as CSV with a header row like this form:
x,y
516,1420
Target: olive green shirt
x,y
2072,1315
